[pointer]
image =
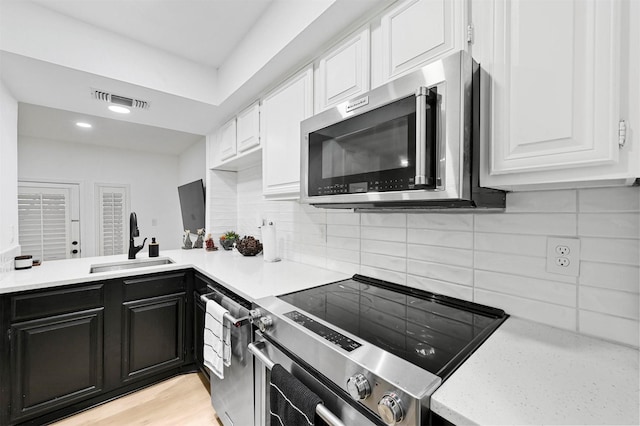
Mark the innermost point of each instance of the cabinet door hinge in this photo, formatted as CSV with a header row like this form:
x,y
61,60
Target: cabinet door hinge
x,y
622,133
470,33
9,334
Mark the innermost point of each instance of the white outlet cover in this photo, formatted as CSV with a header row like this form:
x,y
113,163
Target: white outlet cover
x,y
573,269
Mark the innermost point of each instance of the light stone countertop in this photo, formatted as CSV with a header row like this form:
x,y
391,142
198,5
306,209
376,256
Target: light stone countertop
x,y
525,373
532,374
248,276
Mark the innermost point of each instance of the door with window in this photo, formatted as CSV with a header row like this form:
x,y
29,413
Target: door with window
x,y
112,206
49,220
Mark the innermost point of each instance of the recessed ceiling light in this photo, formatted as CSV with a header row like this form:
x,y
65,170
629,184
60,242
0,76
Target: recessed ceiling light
x,y
84,125
119,109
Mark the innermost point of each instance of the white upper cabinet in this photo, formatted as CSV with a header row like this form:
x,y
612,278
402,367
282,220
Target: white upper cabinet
x,y
236,144
418,31
248,131
280,117
555,99
343,72
227,139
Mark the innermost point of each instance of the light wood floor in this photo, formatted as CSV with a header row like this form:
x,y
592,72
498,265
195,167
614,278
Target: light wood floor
x,y
182,400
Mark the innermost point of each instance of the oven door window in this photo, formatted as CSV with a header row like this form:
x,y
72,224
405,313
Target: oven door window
x,y
371,152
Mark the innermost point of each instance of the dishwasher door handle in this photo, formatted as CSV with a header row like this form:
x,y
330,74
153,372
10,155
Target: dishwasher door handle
x,y
321,410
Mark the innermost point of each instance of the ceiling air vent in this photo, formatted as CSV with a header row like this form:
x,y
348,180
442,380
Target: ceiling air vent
x,y
119,100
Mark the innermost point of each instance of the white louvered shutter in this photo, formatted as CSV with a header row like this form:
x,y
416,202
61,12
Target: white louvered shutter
x,y
113,207
43,222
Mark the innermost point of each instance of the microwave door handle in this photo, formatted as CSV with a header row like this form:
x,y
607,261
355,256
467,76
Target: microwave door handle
x,y
421,136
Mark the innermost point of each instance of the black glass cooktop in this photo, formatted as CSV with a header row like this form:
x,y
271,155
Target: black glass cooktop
x,y
432,331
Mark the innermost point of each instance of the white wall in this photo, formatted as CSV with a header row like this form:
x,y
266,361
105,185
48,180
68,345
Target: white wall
x,y
192,163
497,259
153,180
8,178
28,29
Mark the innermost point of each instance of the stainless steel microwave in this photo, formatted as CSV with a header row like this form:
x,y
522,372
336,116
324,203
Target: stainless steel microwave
x,y
410,144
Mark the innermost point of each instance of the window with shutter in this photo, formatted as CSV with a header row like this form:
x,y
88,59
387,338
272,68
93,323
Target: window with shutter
x,y
113,205
44,222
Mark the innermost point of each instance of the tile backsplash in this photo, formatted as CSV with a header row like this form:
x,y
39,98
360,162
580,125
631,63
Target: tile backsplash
x,y
497,259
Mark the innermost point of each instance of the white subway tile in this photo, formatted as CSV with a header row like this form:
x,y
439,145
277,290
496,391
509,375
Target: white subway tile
x,y
525,245
526,266
532,288
343,243
444,221
384,274
457,239
542,201
383,261
391,248
336,217
344,267
607,275
350,256
527,223
395,220
621,330
619,199
383,234
609,250
546,313
448,256
440,287
609,225
614,302
441,272
348,231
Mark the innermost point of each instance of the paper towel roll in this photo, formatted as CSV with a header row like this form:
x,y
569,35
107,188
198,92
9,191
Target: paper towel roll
x,y
269,247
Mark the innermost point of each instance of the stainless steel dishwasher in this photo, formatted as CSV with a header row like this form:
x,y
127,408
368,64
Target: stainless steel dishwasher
x,y
232,395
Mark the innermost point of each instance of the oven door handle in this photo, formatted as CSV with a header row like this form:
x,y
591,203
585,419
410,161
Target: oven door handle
x,y
421,136
321,410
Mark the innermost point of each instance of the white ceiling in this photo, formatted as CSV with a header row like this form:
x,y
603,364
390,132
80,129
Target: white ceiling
x,y
204,37
204,31
184,28
48,123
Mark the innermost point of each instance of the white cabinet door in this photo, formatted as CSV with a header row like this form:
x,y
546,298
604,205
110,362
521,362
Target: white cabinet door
x,y
555,88
248,128
417,31
281,114
343,72
227,139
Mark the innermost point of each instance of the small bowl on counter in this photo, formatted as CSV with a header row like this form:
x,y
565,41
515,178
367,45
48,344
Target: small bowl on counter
x,y
249,246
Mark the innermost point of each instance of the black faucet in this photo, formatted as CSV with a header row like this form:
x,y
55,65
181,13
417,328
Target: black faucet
x,y
134,232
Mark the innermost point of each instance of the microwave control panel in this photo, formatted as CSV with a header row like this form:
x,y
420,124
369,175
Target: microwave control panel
x,y
371,186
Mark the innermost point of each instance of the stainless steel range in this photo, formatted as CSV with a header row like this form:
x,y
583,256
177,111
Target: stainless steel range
x,y
372,350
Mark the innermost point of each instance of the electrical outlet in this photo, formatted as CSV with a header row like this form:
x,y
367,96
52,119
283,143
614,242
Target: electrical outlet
x,y
563,256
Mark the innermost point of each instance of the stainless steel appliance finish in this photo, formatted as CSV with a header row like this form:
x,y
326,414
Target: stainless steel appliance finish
x,y
231,396
440,161
380,350
334,411
263,358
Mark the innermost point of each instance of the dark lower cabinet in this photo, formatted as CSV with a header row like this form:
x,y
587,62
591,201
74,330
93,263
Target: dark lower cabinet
x,y
69,348
153,335
56,360
199,312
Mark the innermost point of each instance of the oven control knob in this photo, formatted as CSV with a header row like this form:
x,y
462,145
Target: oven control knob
x,y
358,387
390,408
264,323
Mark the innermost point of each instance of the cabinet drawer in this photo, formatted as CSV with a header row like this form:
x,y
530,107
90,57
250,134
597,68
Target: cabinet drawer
x,y
59,301
155,285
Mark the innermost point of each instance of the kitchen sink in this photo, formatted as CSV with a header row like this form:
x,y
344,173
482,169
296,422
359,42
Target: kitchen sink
x,y
129,264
